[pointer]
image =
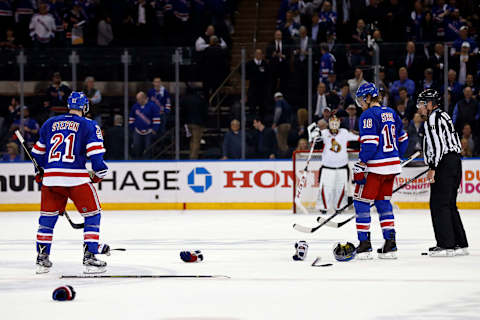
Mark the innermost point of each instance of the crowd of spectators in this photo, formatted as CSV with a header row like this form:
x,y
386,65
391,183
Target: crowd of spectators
x,y
73,23
335,35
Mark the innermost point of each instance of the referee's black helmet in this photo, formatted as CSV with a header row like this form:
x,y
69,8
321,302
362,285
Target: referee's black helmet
x,y
428,95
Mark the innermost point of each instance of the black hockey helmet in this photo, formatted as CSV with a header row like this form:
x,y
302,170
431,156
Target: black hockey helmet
x,y
426,96
344,252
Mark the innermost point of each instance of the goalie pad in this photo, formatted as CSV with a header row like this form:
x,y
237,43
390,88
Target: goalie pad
x,y
332,193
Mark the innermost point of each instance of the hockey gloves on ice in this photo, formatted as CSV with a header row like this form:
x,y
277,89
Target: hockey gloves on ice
x,y
301,249
359,170
191,256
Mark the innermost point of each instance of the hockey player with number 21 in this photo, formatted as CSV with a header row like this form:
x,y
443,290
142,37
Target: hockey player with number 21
x,y
382,142
65,143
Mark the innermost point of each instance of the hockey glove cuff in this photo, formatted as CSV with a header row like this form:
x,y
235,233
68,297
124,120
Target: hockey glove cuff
x,y
191,256
39,176
359,170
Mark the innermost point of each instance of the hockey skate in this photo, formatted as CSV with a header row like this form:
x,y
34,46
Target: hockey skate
x,y
364,249
440,252
91,263
389,249
459,251
43,263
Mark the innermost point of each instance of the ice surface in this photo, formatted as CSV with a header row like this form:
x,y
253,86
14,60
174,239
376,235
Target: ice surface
x,y
255,249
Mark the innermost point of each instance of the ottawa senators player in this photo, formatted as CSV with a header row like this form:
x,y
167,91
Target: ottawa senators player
x,y
332,194
66,141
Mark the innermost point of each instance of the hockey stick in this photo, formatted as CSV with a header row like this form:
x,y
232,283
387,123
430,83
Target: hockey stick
x,y
140,276
327,221
303,180
73,224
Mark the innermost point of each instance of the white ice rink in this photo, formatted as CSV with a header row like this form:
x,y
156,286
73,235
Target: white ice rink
x,y
253,248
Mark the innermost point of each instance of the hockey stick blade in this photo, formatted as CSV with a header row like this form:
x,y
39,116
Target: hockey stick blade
x,y
140,276
73,224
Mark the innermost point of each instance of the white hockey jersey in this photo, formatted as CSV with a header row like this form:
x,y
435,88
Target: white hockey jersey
x,y
335,147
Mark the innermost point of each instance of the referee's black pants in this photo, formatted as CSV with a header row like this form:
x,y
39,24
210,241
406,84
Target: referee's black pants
x,y
446,220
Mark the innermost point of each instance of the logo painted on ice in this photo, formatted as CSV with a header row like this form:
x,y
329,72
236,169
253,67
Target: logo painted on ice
x,y
201,187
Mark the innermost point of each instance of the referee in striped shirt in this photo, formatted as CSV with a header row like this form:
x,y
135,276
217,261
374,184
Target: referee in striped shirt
x,y
442,154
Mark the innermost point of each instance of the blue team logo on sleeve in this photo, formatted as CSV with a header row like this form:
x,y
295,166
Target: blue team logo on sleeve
x,y
199,180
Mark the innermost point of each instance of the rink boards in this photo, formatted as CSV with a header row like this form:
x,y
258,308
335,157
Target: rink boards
x,y
190,185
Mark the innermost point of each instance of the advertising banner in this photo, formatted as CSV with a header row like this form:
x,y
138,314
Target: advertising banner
x,y
183,185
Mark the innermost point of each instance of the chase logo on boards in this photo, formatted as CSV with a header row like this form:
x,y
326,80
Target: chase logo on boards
x,y
199,180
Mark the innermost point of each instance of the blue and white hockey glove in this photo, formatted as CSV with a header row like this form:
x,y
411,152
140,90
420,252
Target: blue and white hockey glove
x,y
301,249
359,170
191,256
64,293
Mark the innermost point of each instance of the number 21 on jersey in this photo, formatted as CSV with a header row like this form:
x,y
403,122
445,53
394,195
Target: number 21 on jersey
x,y
56,155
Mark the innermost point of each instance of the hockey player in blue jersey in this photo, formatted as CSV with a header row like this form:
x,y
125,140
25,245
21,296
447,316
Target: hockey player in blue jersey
x,y
65,143
383,141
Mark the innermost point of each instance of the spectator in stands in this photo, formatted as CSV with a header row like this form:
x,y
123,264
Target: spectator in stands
x,y
104,32
405,104
257,72
203,41
427,82
264,140
326,114
464,63
460,42
416,19
11,115
466,150
467,135
29,126
323,100
232,142
327,63
10,41
278,55
315,31
322,124
351,122
143,15
333,86
415,135
356,81
302,44
358,47
466,110
12,154
290,28
328,18
470,82
144,122
345,98
214,64
453,23
114,137
412,61
76,21
302,145
436,62
194,108
94,96
282,122
57,92
403,81
160,96
429,28
42,27
454,87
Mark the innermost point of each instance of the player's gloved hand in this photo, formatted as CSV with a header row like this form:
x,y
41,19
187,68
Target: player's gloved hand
x,y
104,248
313,132
301,249
39,176
359,170
94,177
191,256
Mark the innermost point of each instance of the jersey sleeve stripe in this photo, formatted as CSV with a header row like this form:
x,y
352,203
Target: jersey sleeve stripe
x,y
95,151
37,150
369,136
403,137
370,141
94,144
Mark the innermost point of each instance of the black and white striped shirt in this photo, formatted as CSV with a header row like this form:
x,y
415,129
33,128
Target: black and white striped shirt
x,y
440,138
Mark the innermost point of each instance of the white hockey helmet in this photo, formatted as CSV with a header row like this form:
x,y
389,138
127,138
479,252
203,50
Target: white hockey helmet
x,y
334,123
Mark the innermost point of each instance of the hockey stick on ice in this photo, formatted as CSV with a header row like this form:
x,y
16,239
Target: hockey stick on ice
x,y
73,224
327,221
139,276
303,180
